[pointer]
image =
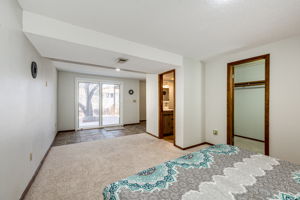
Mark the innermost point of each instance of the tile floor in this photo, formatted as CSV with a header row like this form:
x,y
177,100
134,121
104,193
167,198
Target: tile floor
x,y
169,138
96,134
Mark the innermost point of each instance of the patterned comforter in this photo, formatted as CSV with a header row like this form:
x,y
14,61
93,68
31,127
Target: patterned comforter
x,y
218,172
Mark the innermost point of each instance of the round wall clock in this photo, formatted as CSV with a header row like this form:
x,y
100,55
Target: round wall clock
x,y
34,69
131,92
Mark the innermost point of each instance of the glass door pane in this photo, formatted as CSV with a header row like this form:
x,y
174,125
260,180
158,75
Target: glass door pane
x,y
110,104
88,104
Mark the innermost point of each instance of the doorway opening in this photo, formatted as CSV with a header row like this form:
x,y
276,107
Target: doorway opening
x,y
248,83
167,106
97,104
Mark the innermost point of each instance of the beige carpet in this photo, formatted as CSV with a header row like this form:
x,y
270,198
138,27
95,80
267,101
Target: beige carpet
x,y
250,145
81,171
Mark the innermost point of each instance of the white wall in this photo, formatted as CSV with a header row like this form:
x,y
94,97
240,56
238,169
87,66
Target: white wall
x,y
66,99
284,96
254,71
152,104
193,110
143,100
189,103
179,105
28,106
249,112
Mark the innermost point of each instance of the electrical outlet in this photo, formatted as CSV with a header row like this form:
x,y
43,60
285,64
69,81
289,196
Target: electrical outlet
x,y
215,132
30,156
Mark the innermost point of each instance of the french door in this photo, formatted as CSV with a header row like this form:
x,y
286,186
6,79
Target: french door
x,y
98,104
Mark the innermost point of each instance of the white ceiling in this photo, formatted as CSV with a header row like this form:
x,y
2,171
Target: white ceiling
x,y
194,28
88,51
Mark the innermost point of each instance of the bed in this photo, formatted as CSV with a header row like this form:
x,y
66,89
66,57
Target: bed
x,y
217,172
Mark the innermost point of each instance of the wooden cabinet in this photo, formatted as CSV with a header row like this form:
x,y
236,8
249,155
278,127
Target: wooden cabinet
x,y
168,125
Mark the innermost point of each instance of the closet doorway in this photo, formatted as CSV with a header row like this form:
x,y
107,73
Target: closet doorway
x,y
167,106
248,83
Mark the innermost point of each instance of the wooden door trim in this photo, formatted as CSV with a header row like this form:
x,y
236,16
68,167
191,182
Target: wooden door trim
x,y
230,102
230,97
267,104
160,110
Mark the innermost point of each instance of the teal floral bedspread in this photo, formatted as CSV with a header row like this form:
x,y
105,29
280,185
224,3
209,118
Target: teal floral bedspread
x,y
218,172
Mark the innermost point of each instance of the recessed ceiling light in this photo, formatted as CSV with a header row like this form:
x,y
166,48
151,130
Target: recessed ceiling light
x,y
118,69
